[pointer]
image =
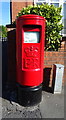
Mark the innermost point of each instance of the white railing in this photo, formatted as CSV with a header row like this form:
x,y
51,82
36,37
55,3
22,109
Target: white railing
x,y
3,39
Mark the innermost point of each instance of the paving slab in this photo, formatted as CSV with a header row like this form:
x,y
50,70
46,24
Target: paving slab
x,y
52,105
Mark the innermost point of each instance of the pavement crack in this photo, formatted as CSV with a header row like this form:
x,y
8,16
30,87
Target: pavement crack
x,y
39,111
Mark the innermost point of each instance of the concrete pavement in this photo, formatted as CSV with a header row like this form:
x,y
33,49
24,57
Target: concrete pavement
x,y
52,106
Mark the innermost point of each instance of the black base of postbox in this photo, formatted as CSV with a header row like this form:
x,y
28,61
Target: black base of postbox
x,y
29,96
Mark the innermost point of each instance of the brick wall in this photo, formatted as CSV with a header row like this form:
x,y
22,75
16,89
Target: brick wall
x,y
59,57
52,57
65,62
17,6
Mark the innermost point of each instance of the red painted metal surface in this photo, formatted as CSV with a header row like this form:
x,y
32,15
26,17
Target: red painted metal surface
x,y
29,56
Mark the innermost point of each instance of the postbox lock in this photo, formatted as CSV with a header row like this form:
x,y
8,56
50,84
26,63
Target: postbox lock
x,y
59,67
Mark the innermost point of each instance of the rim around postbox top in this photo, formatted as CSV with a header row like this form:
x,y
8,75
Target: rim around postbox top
x,y
31,16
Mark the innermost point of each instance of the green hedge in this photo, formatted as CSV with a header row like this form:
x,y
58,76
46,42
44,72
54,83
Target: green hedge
x,y
53,18
3,31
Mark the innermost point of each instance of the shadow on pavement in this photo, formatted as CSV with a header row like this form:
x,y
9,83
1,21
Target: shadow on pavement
x,y
9,67
47,79
4,63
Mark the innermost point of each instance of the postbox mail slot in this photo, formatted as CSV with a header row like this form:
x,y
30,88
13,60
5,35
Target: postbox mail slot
x,y
31,33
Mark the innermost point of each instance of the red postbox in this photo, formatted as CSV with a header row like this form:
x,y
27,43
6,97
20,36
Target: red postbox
x,y
30,37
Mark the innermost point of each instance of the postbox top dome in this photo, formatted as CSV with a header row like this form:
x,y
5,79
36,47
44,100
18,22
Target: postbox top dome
x,y
31,16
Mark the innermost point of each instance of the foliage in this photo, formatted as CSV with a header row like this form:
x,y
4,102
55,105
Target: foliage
x,y
53,18
3,31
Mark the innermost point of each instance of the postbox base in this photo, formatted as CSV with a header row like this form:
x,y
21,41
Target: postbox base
x,y
29,96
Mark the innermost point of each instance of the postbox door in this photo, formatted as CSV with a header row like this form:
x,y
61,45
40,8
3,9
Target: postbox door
x,y
31,49
31,55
